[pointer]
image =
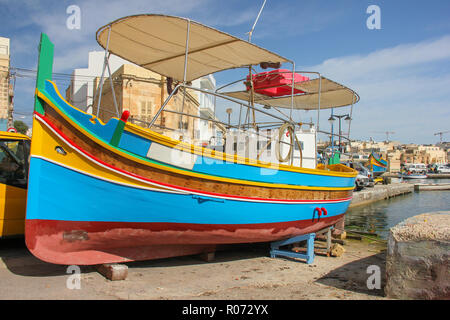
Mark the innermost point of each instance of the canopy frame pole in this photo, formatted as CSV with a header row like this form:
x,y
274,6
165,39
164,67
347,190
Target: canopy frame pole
x,y
292,90
351,114
331,136
185,70
252,91
318,119
163,105
112,87
252,96
103,72
240,112
237,102
291,111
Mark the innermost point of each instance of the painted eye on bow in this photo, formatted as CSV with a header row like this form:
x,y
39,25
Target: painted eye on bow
x,y
60,150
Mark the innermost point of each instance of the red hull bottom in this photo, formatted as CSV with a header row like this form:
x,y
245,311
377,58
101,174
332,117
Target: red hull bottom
x,y
90,243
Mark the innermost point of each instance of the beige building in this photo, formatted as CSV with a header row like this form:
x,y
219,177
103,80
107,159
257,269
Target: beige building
x,y
366,147
394,160
397,154
426,154
6,92
142,92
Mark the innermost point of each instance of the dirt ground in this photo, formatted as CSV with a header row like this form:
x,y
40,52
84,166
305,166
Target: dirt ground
x,y
242,272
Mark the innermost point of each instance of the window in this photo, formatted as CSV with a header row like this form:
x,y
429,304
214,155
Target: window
x,y
145,111
14,162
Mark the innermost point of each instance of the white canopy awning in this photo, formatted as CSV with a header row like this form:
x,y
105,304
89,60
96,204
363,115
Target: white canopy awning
x,y
332,95
158,42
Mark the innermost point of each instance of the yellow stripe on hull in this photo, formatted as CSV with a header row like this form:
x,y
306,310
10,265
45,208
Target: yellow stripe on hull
x,y
45,142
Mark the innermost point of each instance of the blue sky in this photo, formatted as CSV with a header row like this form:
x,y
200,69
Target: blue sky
x,y
401,72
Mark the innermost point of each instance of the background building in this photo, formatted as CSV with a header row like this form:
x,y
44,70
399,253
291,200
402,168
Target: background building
x,y
397,154
208,131
6,91
142,92
80,93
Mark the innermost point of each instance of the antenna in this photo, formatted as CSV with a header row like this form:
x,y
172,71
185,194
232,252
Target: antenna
x,y
256,21
387,133
440,135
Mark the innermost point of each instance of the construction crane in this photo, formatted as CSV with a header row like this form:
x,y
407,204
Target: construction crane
x,y
387,133
440,135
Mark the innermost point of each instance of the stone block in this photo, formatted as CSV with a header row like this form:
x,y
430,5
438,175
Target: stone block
x,y
337,250
417,263
207,256
113,271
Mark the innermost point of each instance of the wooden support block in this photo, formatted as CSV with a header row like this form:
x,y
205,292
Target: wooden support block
x,y
324,239
113,271
340,236
207,256
355,237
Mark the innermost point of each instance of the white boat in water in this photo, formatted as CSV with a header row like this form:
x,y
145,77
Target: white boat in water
x,y
412,176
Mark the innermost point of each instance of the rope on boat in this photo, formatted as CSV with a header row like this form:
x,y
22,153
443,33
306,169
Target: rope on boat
x,y
288,126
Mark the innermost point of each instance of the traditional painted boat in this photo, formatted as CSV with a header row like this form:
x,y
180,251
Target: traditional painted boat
x,y
14,152
115,192
377,164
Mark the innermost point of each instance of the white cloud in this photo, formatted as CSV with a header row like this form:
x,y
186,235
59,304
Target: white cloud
x,y
381,61
402,89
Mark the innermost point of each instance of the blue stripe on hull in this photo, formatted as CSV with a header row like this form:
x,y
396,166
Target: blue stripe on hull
x,y
253,173
58,193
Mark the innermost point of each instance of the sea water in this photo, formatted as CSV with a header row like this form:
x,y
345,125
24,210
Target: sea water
x,y
379,216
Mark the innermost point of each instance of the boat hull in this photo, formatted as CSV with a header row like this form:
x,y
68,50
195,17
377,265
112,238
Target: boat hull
x,y
105,222
413,176
90,243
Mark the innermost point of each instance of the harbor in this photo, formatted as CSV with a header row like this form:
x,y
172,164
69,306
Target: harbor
x,y
165,156
239,271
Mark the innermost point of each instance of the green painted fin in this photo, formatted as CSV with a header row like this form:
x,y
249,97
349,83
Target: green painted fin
x,y
45,69
117,133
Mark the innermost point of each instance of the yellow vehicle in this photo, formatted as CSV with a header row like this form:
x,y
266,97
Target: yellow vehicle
x,y
14,154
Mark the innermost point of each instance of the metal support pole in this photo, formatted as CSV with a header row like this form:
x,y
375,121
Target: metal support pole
x,y
112,88
163,106
292,90
103,72
185,69
318,117
340,133
351,114
240,111
332,135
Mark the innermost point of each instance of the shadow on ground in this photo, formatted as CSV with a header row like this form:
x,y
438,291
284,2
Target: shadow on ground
x,y
223,254
15,256
18,260
354,276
